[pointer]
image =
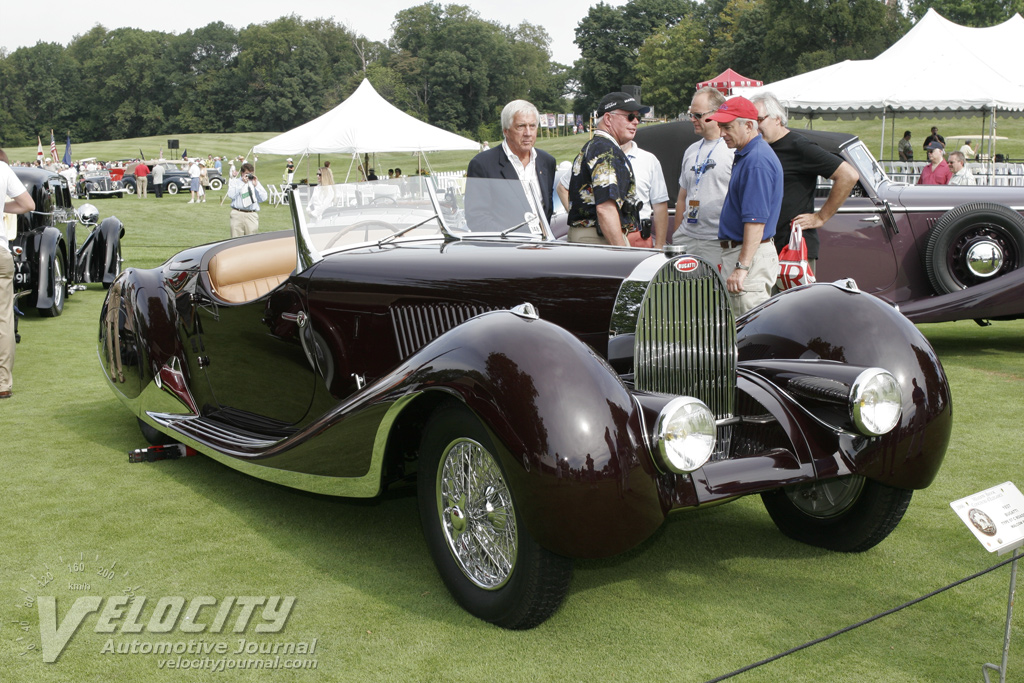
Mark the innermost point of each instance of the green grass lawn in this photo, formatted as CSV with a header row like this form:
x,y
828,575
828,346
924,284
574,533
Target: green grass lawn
x,y
712,591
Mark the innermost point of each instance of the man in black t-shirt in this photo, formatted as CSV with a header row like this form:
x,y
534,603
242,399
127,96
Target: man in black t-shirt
x,y
934,137
802,162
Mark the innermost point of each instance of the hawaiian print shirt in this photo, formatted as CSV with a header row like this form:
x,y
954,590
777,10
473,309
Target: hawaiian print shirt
x,y
601,172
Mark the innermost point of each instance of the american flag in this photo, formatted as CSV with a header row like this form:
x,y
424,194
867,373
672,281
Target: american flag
x,y
53,149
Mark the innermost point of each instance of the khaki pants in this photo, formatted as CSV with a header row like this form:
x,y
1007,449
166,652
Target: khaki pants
x,y
584,235
244,222
6,320
757,286
142,186
709,250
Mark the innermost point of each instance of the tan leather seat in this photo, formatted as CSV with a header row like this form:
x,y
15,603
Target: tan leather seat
x,y
251,270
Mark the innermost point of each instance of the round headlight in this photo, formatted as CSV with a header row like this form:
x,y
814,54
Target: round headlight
x,y
876,401
685,434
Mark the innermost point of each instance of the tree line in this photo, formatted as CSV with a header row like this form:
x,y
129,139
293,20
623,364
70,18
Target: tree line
x,y
443,64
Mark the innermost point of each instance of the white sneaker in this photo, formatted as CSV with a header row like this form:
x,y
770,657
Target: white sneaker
x,y
191,202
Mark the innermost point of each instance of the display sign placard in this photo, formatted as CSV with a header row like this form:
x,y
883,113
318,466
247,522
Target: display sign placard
x,y
995,516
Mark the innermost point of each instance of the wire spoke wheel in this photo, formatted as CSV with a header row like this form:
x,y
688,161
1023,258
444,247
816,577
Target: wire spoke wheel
x,y
477,514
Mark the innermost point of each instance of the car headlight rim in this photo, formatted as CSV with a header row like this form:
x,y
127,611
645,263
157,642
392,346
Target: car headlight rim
x,y
685,434
876,402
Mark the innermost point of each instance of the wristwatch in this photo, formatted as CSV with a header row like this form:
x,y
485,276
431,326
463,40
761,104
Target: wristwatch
x,y
740,266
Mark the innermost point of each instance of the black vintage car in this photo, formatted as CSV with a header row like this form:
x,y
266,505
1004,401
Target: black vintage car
x,y
548,400
97,184
176,179
57,247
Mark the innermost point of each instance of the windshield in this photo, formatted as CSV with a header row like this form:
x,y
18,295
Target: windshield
x,y
346,214
869,169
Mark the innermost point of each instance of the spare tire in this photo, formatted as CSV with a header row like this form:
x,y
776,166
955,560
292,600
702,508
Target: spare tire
x,y
972,244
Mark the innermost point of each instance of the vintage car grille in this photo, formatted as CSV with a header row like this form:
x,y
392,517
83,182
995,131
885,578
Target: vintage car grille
x,y
685,341
417,325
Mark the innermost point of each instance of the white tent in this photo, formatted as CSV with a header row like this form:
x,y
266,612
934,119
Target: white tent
x,y
937,69
364,123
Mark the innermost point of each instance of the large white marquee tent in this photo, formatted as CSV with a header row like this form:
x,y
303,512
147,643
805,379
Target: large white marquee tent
x,y
365,123
937,69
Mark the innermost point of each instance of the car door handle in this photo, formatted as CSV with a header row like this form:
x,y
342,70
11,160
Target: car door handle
x,y
870,219
298,318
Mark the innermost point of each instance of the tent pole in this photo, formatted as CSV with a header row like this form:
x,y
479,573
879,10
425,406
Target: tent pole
x,y
892,135
881,142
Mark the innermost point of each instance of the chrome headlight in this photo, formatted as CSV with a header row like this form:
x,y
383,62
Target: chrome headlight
x,y
685,434
876,401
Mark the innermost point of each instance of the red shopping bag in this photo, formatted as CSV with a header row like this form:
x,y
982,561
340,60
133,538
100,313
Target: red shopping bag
x,y
793,267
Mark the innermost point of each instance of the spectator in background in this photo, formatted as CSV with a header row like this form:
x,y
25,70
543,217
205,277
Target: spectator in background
x,y
961,174
602,187
750,263
937,171
141,181
246,193
517,158
17,200
934,137
158,180
703,181
289,171
906,150
966,150
194,182
802,162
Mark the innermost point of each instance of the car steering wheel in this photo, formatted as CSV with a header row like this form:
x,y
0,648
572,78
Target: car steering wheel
x,y
367,225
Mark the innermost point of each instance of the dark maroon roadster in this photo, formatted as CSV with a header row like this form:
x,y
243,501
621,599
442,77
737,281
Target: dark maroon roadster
x,y
940,253
551,401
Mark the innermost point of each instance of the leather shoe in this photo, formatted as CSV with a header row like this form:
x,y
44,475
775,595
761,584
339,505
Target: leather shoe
x,y
5,394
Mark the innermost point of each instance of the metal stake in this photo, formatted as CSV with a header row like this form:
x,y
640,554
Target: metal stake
x,y
1009,620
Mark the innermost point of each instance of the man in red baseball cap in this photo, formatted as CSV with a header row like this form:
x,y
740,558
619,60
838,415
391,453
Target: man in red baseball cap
x,y
750,263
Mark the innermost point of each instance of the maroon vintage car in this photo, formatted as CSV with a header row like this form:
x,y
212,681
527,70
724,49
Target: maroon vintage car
x,y
550,401
939,253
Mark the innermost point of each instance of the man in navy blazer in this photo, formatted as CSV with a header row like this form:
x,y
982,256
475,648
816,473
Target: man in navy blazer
x,y
516,158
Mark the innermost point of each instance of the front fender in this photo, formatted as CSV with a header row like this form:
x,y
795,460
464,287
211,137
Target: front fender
x,y
98,260
50,247
568,432
839,323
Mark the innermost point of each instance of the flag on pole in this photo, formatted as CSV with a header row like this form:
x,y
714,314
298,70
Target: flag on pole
x,y
53,147
142,155
39,150
67,150
184,153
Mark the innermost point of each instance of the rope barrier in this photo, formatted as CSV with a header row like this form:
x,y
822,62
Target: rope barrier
x,y
876,617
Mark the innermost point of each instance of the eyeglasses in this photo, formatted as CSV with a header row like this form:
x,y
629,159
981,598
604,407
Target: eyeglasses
x,y
761,118
629,117
701,114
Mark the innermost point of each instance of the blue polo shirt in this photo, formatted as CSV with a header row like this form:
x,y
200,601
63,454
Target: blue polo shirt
x,y
755,191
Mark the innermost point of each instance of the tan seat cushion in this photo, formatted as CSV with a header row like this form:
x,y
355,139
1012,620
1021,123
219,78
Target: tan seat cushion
x,y
250,270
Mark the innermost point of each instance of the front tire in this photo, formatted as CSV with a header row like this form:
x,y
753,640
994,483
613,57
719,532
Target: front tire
x,y
60,288
849,514
488,560
216,184
172,188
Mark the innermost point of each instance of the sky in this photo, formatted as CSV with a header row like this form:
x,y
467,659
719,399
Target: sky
x,y
25,25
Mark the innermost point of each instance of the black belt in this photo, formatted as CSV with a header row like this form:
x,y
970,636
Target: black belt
x,y
244,210
732,244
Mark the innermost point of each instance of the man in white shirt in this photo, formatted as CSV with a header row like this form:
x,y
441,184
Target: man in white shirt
x,y
961,174
703,181
16,200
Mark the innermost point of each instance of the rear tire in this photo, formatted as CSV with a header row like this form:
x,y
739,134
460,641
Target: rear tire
x,y
849,514
153,436
488,560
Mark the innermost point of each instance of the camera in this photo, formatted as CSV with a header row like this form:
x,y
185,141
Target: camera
x,y
248,176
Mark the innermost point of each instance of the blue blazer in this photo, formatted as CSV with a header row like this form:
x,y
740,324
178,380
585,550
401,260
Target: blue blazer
x,y
494,164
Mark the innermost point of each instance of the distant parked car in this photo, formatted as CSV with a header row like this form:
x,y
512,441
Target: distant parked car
x,y
52,250
96,184
176,178
940,253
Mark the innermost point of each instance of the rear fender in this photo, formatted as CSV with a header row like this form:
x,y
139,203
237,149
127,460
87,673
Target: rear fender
x,y
51,247
98,259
